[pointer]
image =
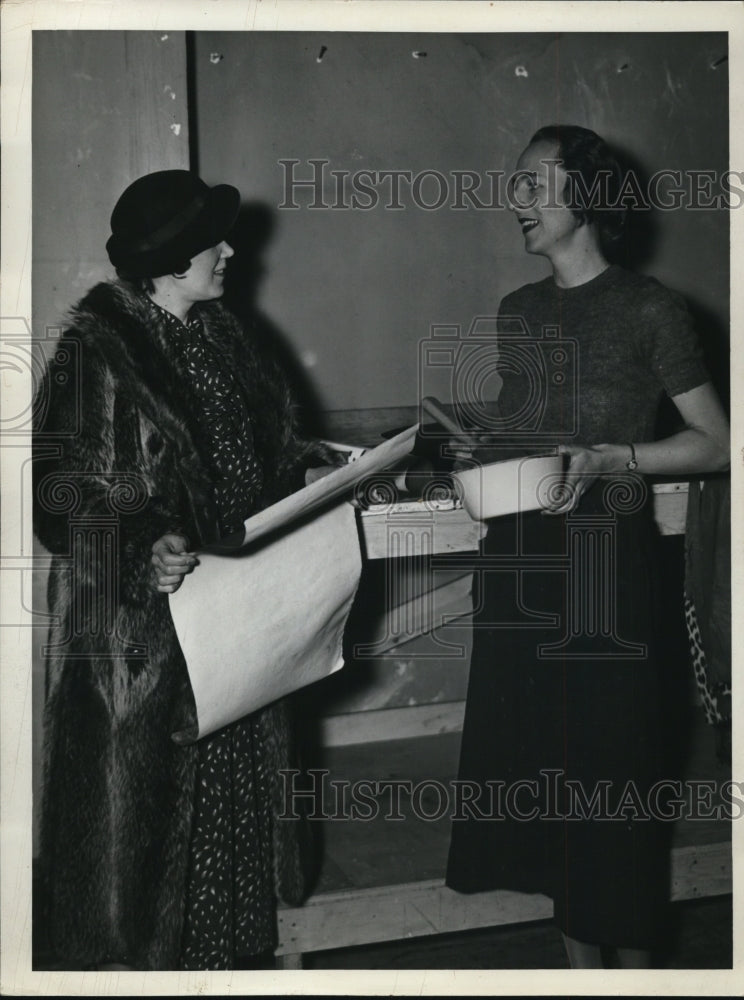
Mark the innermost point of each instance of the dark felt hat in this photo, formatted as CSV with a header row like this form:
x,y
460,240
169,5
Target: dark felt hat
x,y
164,219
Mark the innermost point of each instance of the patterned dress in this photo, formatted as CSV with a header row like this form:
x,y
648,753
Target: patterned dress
x,y
230,891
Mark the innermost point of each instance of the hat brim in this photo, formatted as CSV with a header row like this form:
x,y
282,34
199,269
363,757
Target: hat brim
x,y
207,229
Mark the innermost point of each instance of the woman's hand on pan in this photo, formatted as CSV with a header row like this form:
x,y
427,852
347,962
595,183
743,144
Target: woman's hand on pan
x,y
171,561
462,447
584,465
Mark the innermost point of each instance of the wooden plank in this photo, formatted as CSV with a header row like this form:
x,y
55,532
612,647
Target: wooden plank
x,y
390,913
670,507
702,870
383,724
155,78
391,534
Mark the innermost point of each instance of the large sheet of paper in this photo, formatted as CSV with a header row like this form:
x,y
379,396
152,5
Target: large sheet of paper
x,y
262,620
259,623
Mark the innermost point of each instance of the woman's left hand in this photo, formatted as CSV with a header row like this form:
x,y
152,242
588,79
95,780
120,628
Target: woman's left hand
x,y
585,464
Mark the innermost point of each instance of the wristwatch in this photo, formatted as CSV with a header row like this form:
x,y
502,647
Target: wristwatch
x,y
632,464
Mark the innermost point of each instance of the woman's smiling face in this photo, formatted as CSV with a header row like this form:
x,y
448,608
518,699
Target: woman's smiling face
x,y
204,280
548,225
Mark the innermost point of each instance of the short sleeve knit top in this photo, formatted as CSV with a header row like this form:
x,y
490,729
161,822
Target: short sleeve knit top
x,y
589,364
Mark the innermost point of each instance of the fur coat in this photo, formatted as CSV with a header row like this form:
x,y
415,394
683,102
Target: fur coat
x,y
115,467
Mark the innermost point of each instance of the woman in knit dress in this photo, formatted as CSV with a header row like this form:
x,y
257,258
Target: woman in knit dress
x,y
561,737
160,428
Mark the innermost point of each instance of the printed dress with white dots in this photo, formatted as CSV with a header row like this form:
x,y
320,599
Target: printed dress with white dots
x,y
229,909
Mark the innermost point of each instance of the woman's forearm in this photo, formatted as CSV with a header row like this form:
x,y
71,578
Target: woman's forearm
x,y
687,452
702,446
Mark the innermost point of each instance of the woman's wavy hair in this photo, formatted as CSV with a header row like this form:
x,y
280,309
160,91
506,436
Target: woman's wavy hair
x,y
594,178
140,284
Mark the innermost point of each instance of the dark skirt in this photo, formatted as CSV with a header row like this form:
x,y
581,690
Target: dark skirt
x,y
561,738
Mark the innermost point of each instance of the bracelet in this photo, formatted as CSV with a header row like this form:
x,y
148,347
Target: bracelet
x,y
632,464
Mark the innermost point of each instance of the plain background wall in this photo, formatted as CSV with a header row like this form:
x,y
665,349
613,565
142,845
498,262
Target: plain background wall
x,y
354,292
108,106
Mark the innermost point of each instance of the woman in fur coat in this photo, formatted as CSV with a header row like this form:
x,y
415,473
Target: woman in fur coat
x,y
160,428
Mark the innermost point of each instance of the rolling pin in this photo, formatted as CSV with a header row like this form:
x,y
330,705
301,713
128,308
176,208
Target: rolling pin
x,y
434,408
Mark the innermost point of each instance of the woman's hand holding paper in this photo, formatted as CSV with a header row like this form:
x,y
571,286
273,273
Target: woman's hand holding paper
x,y
171,561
